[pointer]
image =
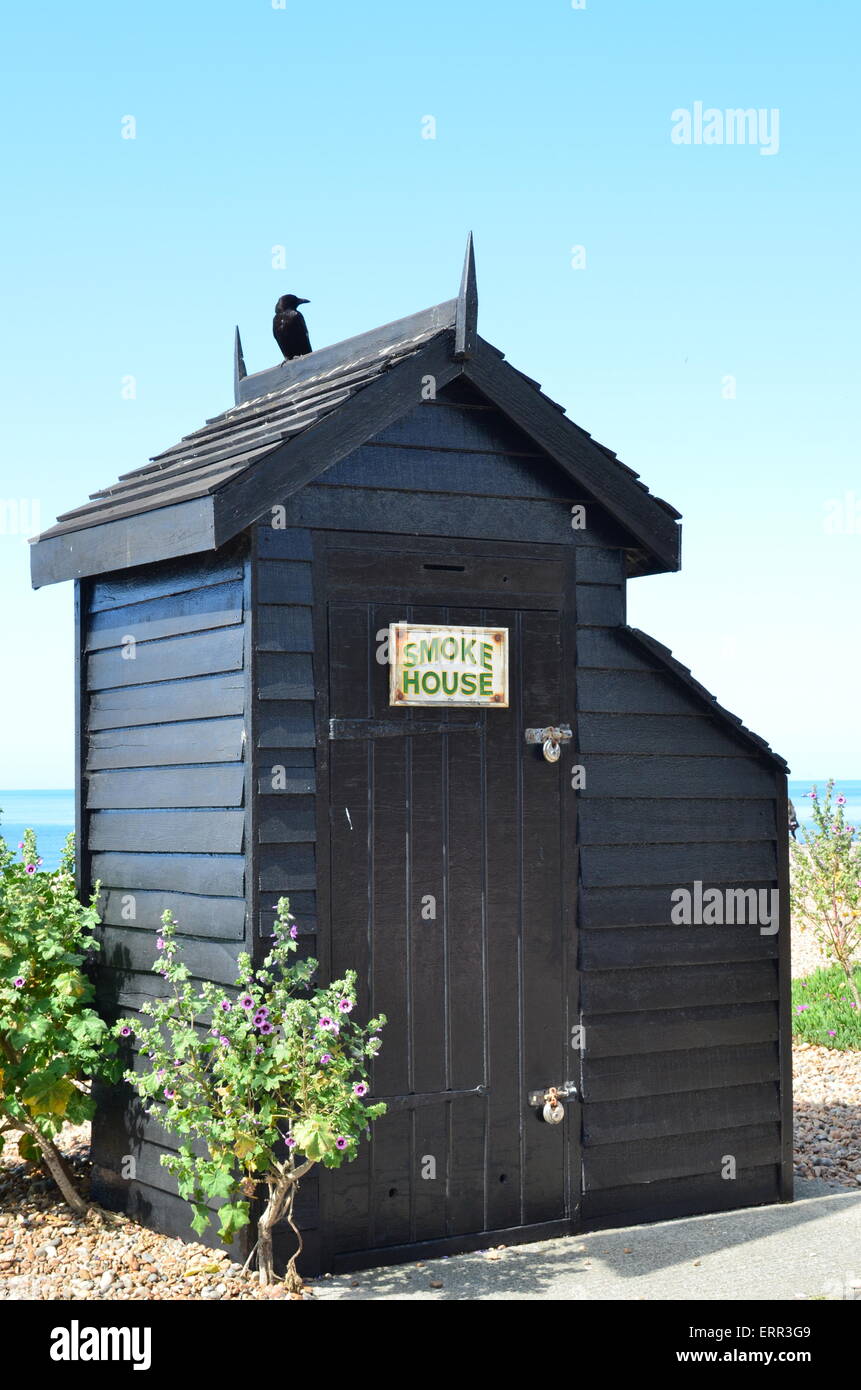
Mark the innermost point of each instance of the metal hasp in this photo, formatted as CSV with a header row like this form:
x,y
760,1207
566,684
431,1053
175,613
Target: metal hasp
x,y
564,1093
552,739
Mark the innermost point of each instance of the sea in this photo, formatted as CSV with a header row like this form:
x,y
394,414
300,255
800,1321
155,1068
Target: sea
x,y
52,813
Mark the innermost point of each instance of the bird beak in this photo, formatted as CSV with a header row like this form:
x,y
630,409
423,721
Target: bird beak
x,y
304,301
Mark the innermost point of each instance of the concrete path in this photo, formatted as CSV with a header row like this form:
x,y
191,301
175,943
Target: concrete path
x,y
810,1248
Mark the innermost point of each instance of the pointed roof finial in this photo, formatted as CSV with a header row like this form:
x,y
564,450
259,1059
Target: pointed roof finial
x,y
466,322
239,370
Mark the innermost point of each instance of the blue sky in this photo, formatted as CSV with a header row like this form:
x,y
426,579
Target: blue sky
x,y
302,127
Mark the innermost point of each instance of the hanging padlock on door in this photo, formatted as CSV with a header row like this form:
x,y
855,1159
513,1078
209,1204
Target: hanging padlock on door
x,y
550,1101
551,738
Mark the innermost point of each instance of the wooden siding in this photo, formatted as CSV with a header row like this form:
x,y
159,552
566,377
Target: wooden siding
x,y
165,812
681,1065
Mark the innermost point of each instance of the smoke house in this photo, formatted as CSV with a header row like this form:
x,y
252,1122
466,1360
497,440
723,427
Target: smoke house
x,y
521,759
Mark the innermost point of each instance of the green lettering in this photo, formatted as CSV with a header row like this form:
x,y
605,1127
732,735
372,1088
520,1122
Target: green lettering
x,y
410,654
485,683
428,650
467,682
487,655
428,687
411,682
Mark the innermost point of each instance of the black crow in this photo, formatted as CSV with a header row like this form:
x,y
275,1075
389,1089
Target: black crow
x,y
793,820
288,327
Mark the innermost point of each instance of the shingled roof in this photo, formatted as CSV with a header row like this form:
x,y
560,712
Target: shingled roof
x,y
291,422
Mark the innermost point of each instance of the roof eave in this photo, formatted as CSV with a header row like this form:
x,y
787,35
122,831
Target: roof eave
x,y
644,642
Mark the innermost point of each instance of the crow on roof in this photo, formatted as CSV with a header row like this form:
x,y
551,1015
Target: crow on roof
x,y
289,329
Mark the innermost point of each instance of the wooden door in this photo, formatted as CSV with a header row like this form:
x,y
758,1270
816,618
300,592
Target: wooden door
x,y
451,874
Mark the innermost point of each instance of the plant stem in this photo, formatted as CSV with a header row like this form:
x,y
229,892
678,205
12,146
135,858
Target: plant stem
x,y
57,1168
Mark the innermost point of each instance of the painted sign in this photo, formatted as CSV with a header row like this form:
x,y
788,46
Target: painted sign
x,y
432,665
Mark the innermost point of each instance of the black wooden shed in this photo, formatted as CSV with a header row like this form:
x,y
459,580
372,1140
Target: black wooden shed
x,y
513,916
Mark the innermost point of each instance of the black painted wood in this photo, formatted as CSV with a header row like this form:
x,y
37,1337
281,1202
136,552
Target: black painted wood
x,y
220,875
413,919
662,1073
218,605
679,1114
165,787
202,654
625,991
207,832
196,914
203,697
654,1160
680,1196
158,745
642,819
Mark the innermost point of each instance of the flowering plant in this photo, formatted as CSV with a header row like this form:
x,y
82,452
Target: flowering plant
x,y
51,1041
826,883
270,1075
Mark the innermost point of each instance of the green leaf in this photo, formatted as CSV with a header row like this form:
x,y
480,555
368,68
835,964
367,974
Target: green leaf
x,y
233,1216
201,1217
314,1137
48,1095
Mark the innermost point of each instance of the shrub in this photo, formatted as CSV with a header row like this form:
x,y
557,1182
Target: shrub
x,y
51,1040
823,1010
826,884
270,1075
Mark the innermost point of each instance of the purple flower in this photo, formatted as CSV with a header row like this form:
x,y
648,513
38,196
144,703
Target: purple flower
x,y
290,1141
341,1143
327,1057
262,1012
18,982
345,1005
160,1073
799,1008
832,1032
125,1032
258,1048
159,944
265,1027
40,861
326,1022
247,1002
225,1042
225,1004
360,1089
841,801
20,844
294,931
31,868
169,1093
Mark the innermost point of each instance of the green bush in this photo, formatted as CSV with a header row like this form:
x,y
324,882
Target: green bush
x,y
824,1011
825,884
51,1041
271,1076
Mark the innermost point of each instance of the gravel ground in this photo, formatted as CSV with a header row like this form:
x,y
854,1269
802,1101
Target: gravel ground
x,y
46,1253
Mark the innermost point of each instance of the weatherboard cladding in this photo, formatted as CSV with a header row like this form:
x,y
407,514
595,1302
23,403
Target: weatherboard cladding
x,y
165,809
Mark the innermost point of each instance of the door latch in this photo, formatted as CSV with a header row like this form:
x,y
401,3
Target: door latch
x,y
550,1101
552,739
